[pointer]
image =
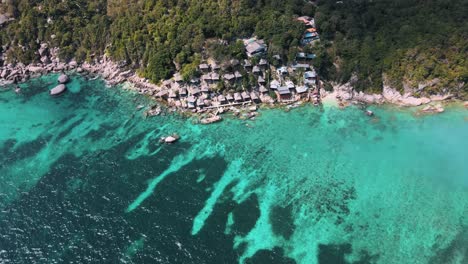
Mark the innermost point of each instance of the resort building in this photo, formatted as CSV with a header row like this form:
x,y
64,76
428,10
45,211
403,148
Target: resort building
x,y
254,47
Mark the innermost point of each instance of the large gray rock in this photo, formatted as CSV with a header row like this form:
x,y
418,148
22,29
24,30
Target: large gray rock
x,y
4,73
59,89
36,69
63,78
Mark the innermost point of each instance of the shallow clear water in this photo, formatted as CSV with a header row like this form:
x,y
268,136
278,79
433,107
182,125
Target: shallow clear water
x,y
83,179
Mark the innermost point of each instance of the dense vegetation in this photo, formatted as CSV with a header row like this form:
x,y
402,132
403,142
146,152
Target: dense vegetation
x,y
398,42
153,36
401,42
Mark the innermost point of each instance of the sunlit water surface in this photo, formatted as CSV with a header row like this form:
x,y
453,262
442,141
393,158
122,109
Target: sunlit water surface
x,y
83,179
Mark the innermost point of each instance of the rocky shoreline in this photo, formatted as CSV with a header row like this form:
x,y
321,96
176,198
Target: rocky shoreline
x,y
345,95
115,74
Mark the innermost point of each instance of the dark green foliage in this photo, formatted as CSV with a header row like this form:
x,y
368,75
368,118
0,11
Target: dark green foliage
x,y
150,35
408,41
76,26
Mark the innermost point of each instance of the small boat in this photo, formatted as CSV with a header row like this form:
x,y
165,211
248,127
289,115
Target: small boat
x,y
17,90
59,89
169,139
369,113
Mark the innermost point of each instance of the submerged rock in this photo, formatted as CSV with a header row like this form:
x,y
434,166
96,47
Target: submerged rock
x,y
63,78
433,109
210,120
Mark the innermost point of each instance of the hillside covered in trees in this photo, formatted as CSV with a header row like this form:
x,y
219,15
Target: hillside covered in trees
x,y
402,43
150,35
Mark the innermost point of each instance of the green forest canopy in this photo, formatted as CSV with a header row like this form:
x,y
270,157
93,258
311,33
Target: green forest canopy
x,y
396,41
148,34
405,41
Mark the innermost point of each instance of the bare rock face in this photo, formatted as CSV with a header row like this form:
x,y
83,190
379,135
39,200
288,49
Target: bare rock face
x,y
393,96
36,69
60,66
73,64
411,101
4,73
43,49
369,98
433,109
441,97
63,78
45,59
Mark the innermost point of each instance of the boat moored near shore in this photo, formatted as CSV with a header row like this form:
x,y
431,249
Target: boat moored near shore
x,y
169,139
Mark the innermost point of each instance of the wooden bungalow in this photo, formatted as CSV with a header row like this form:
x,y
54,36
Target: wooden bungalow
x,y
162,94
182,92
172,93
229,77
301,66
254,47
204,67
245,96
262,89
256,70
284,93
237,97
304,57
282,70
200,102
238,75
310,75
195,91
204,88
195,81
289,84
215,66
229,97
191,100
247,65
206,77
263,63
214,77
301,89
261,80
175,86
221,99
274,84
254,97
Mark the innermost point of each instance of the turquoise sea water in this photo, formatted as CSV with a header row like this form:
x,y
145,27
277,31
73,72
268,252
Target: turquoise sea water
x,y
83,179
